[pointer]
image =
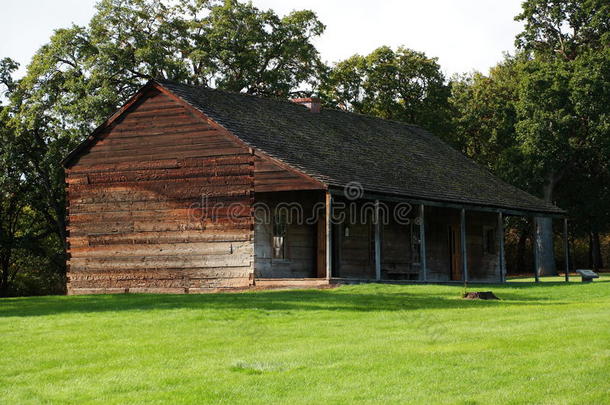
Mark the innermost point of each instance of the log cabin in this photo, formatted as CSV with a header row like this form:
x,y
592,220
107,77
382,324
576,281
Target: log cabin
x,y
190,189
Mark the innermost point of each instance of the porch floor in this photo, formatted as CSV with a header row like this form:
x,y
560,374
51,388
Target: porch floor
x,y
291,282
271,283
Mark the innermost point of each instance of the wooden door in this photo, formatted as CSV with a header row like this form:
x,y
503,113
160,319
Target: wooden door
x,y
455,253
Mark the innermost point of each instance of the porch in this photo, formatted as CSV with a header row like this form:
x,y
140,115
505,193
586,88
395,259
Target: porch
x,y
313,238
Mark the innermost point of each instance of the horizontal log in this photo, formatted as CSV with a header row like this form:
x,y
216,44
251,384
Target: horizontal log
x,y
142,146
136,145
166,185
161,155
164,249
153,105
80,207
160,112
163,164
91,291
171,174
195,214
129,122
161,152
148,238
142,274
179,194
137,165
293,186
147,284
187,136
209,225
270,177
159,262
129,134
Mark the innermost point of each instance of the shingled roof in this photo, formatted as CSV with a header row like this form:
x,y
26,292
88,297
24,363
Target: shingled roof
x,y
338,148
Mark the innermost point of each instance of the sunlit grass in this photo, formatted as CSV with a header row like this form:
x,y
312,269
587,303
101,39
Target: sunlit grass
x,y
541,343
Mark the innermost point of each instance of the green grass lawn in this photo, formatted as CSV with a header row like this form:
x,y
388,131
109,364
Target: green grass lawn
x,y
546,343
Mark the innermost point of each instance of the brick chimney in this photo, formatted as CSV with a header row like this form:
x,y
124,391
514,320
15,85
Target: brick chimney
x,y
313,103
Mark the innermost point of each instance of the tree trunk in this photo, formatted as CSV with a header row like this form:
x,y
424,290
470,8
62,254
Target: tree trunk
x,y
544,234
544,246
595,251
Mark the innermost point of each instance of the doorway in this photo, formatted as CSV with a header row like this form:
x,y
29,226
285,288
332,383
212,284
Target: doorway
x,y
455,254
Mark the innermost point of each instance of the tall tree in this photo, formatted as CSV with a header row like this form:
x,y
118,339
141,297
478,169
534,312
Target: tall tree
x,y
12,199
563,28
552,129
230,45
402,85
484,118
19,226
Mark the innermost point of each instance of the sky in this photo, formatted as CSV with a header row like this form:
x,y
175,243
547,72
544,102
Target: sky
x,y
465,35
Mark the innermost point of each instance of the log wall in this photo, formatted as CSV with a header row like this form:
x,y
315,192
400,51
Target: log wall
x,y
270,175
161,203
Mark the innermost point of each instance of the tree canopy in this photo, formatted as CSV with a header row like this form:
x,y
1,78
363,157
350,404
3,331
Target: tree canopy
x,y
403,85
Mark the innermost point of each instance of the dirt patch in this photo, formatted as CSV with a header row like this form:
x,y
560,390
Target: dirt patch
x,y
480,295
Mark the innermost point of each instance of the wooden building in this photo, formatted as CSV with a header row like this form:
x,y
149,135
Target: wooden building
x,y
190,189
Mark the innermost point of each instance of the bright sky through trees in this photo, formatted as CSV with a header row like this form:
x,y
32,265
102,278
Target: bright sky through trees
x,y
465,35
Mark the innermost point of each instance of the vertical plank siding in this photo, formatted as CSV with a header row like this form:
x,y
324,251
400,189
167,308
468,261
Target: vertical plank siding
x,y
482,266
161,203
301,248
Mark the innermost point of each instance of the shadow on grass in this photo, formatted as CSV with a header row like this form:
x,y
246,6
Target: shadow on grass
x,y
372,297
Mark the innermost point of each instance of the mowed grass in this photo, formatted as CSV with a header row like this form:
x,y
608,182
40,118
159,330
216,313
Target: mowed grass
x,y
547,343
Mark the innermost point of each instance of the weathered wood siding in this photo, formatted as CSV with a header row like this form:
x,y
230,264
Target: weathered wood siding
x,y
301,236
396,260
354,251
272,176
481,266
162,203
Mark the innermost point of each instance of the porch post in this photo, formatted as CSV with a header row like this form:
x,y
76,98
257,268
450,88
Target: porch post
x,y
535,251
328,249
463,245
566,247
501,258
377,242
422,243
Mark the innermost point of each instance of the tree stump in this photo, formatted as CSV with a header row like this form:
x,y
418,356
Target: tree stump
x,y
480,295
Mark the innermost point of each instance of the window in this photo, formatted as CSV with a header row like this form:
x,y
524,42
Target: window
x,y
279,236
489,240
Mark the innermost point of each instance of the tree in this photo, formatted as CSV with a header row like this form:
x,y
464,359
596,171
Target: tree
x,y
484,118
553,130
402,85
229,45
17,225
563,28
11,186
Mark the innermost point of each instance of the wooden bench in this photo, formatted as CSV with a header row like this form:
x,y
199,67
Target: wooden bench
x,y
587,275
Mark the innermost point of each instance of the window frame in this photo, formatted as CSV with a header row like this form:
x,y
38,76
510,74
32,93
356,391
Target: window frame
x,y
489,243
279,231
